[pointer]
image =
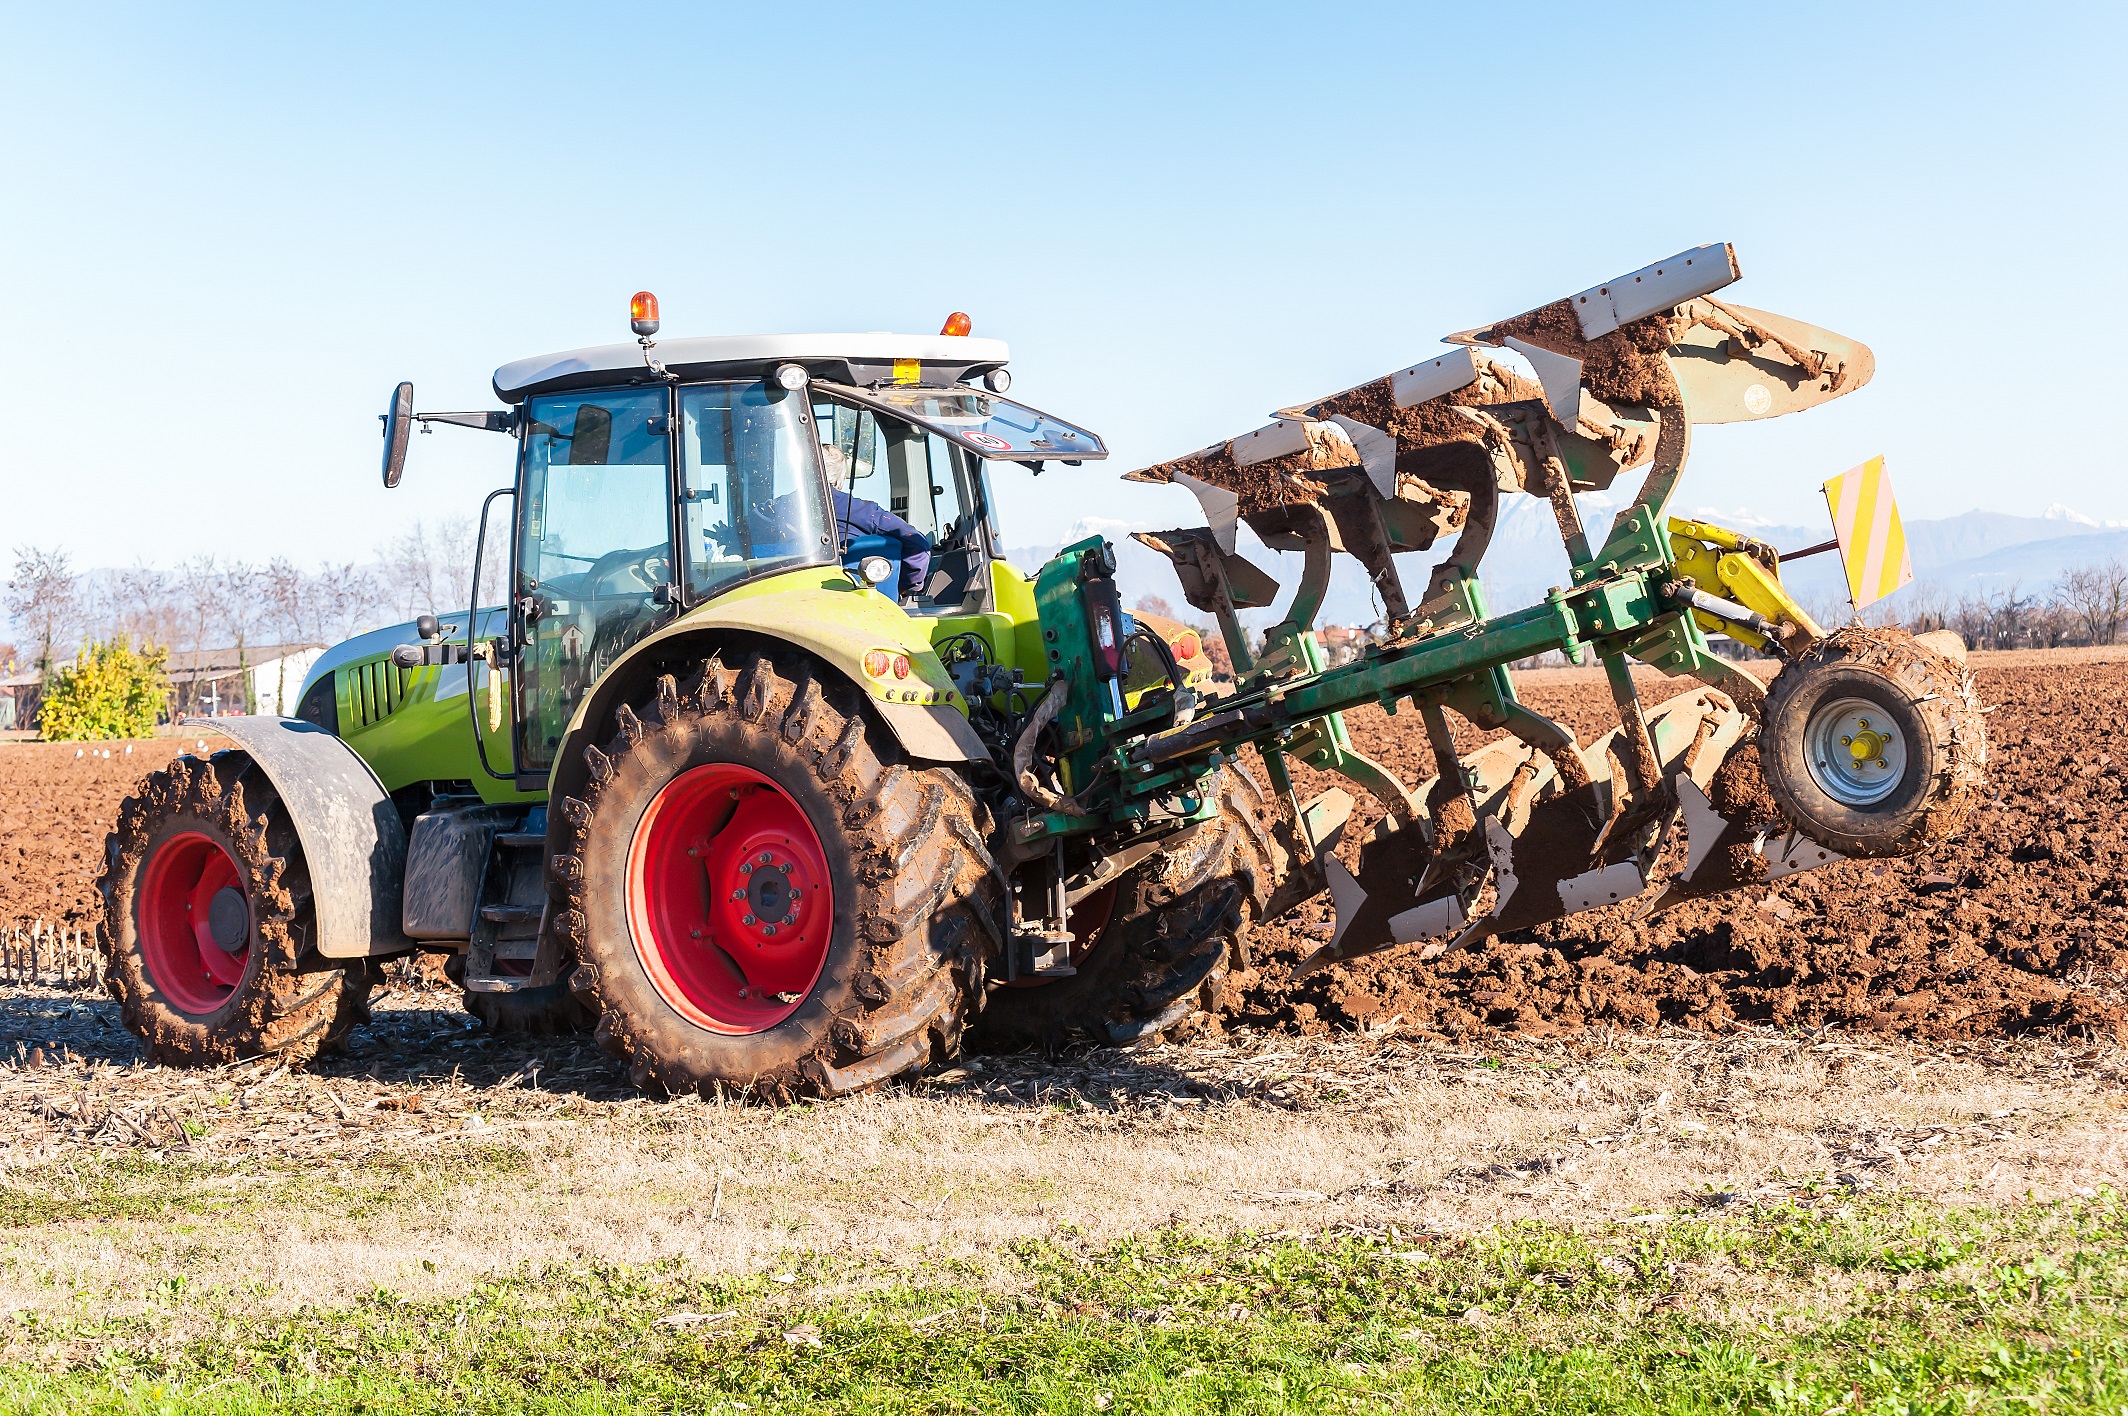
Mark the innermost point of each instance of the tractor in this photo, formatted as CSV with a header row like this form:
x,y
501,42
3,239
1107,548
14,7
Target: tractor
x,y
782,806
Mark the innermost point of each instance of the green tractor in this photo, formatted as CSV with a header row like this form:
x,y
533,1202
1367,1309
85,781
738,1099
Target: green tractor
x,y
707,781
777,807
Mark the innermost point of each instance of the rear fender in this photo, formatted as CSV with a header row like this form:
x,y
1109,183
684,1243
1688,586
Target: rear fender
x,y
834,622
354,845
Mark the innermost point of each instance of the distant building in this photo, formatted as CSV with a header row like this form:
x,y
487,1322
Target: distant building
x,y
208,682
213,683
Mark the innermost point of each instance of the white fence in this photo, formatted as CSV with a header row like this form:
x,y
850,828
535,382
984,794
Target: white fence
x,y
55,957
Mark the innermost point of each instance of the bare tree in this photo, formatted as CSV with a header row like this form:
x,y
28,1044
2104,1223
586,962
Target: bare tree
x,y
198,585
44,596
2097,597
239,610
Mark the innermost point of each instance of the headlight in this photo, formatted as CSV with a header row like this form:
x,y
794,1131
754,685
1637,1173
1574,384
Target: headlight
x,y
875,568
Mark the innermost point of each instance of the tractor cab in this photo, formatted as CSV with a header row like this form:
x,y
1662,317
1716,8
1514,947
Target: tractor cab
x,y
655,477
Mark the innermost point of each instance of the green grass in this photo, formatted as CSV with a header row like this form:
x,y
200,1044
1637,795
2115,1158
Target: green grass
x,y
1890,1307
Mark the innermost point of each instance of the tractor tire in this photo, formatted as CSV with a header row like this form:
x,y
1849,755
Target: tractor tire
x,y
552,1011
207,923
1872,744
1176,925
759,801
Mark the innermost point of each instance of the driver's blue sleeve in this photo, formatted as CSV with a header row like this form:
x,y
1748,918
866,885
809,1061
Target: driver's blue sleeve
x,y
867,518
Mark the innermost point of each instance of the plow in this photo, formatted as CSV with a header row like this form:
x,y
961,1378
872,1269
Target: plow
x,y
771,770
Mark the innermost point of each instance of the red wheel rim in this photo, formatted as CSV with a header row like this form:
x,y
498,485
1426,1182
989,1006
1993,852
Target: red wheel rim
x,y
729,902
175,914
1089,921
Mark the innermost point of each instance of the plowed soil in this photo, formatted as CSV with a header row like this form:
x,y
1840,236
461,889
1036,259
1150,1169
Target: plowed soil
x,y
57,802
2017,924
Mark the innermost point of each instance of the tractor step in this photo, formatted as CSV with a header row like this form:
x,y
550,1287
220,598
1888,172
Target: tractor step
x,y
514,950
521,839
510,914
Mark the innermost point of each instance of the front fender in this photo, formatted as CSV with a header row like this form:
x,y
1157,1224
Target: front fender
x,y
354,845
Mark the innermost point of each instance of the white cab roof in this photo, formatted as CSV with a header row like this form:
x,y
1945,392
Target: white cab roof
x,y
836,355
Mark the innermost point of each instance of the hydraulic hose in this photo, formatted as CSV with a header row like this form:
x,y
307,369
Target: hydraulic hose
x,y
1045,713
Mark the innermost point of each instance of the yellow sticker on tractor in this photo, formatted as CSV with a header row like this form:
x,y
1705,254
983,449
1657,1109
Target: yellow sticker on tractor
x,y
1865,520
908,371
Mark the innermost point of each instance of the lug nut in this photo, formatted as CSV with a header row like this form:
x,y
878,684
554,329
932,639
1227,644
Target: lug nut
x,y
768,929
765,857
742,993
746,919
738,894
694,934
785,867
746,867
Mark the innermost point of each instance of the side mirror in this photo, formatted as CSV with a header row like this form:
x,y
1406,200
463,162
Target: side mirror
x,y
398,422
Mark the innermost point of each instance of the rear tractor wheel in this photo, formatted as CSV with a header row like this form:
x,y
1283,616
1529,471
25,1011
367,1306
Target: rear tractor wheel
x,y
207,923
1872,743
1156,947
765,896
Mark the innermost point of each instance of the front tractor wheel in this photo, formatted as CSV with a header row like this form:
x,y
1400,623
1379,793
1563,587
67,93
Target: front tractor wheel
x,y
207,923
765,896
1872,743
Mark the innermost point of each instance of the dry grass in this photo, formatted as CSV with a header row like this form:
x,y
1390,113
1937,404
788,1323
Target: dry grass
x,y
429,1160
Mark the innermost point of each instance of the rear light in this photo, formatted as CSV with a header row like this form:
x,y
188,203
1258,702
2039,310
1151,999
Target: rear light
x,y
877,662
901,666
643,313
1186,647
957,324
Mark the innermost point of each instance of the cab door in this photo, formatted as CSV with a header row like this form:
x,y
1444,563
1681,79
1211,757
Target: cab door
x,y
594,561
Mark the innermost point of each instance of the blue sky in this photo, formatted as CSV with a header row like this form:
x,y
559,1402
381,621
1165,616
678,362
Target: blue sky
x,y
230,230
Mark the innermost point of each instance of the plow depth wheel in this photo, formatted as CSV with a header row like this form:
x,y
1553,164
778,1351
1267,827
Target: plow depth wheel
x,y
1871,743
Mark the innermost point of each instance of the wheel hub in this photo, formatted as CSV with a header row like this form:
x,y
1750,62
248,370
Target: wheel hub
x,y
729,899
1855,755
228,919
194,922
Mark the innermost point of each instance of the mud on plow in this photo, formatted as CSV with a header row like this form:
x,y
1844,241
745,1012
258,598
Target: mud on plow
x,y
1866,742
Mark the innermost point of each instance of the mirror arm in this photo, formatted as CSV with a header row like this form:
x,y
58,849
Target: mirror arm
x,y
502,422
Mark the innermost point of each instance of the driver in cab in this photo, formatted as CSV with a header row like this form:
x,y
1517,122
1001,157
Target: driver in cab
x,y
858,517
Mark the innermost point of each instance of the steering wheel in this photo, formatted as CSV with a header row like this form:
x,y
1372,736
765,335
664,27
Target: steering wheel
x,y
627,572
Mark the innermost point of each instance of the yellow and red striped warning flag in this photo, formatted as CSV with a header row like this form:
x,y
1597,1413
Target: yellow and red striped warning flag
x,y
1865,519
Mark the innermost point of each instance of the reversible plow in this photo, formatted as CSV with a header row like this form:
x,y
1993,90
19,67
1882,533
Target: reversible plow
x,y
1866,743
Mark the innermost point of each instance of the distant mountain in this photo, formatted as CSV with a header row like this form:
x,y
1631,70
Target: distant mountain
x,y
1979,552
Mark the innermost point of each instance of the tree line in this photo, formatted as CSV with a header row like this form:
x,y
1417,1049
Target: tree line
x,y
210,602
2086,606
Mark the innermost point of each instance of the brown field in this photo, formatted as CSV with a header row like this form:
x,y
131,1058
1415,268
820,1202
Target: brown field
x,y
1857,1030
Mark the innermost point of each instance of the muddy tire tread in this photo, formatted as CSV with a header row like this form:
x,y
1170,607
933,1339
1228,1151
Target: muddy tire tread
x,y
292,1004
